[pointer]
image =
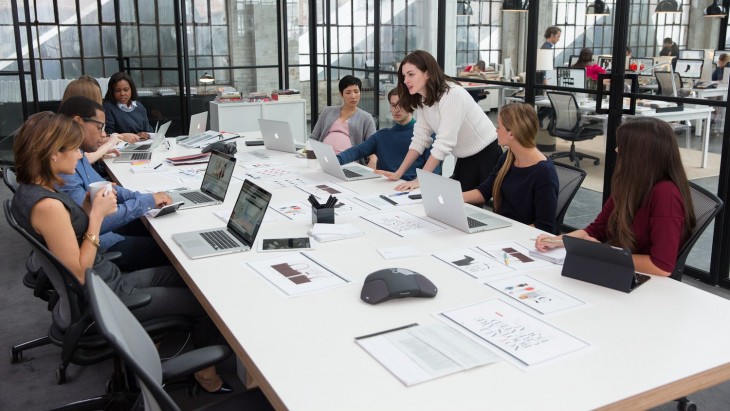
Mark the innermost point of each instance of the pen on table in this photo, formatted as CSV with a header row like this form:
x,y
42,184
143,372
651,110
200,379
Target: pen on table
x,y
506,258
402,193
157,166
549,240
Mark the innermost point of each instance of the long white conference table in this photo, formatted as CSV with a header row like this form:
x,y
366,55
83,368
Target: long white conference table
x,y
664,340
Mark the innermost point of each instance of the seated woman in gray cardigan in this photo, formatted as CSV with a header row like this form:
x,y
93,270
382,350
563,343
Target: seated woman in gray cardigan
x,y
344,126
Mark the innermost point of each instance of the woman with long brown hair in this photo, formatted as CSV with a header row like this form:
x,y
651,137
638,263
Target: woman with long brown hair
x,y
650,210
523,184
445,108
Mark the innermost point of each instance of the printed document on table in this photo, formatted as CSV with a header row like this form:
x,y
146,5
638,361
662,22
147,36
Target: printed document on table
x,y
297,273
475,263
402,223
534,294
518,335
418,353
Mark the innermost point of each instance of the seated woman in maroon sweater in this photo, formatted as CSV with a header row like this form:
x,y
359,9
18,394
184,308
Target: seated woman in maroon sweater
x,y
650,210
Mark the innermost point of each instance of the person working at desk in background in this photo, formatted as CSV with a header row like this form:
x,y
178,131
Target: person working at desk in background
x,y
347,125
669,48
389,146
122,230
474,69
585,58
650,210
124,114
523,184
552,36
88,87
721,64
46,146
444,107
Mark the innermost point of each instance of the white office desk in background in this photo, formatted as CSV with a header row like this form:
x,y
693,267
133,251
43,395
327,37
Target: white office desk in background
x,y
643,346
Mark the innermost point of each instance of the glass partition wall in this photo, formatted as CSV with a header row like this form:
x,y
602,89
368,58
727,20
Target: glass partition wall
x,y
262,45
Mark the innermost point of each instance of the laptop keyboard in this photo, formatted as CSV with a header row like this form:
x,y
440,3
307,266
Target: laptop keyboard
x,y
141,156
142,147
219,240
196,197
350,173
474,223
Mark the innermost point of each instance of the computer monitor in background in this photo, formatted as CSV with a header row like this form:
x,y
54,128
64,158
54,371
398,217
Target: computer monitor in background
x,y
643,66
605,62
507,70
573,59
571,77
689,68
692,54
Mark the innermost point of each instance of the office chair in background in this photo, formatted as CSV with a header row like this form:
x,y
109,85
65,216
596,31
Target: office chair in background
x,y
568,126
570,178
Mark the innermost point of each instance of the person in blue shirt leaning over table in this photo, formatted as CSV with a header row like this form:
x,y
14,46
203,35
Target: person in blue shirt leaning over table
x,y
124,114
523,184
121,231
387,147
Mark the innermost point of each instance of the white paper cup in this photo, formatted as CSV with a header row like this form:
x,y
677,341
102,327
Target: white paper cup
x,y
94,188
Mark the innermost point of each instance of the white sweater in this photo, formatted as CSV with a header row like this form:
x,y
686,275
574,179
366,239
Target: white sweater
x,y
461,126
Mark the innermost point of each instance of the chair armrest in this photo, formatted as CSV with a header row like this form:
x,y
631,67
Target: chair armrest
x,y
136,300
112,255
193,361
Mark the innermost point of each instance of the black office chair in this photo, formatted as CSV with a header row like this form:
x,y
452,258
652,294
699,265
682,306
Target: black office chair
x,y
567,125
706,206
72,326
9,178
570,178
133,344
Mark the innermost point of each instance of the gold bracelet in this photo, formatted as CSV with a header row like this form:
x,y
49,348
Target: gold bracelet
x,y
92,238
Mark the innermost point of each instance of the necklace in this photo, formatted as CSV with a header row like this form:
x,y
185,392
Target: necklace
x,y
346,117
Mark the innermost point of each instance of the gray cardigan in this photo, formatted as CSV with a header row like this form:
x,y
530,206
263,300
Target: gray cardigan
x,y
361,124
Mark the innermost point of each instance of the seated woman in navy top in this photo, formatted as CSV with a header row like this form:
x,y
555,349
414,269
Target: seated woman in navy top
x,y
124,114
650,210
523,184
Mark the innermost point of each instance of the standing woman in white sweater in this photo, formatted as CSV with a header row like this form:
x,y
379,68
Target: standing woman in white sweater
x,y
445,108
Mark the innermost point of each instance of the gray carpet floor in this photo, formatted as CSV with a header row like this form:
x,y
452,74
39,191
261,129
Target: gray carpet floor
x,y
31,383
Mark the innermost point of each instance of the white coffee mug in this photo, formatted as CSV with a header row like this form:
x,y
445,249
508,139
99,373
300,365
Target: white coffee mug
x,y
94,188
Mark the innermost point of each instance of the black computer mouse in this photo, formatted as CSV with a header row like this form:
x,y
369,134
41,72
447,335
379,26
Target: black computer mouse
x,y
391,283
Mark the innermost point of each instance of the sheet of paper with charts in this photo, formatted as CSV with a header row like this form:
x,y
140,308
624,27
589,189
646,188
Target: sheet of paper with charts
x,y
522,338
534,294
297,274
513,254
402,223
326,189
418,353
289,181
475,263
293,210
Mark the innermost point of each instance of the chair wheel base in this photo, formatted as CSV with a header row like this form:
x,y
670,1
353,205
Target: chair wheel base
x,y
17,356
686,405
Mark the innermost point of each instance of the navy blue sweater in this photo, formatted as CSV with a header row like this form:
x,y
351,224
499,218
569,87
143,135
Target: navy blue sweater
x,y
119,121
529,194
391,146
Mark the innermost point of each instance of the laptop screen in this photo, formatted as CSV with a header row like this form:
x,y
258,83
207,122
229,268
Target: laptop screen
x,y
248,212
218,175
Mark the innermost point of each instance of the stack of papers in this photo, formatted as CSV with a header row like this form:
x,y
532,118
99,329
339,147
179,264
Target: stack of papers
x,y
555,256
331,232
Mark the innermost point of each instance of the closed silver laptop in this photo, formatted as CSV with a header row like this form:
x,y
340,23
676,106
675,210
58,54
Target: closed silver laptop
x,y
143,151
443,201
240,233
215,183
277,135
329,164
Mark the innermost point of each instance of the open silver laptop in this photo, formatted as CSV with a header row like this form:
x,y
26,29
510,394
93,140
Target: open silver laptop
x,y
214,186
329,164
143,151
198,122
240,233
277,135
443,201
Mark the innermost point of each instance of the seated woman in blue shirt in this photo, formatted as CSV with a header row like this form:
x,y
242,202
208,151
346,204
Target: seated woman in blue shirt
x,y
523,184
124,114
388,147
